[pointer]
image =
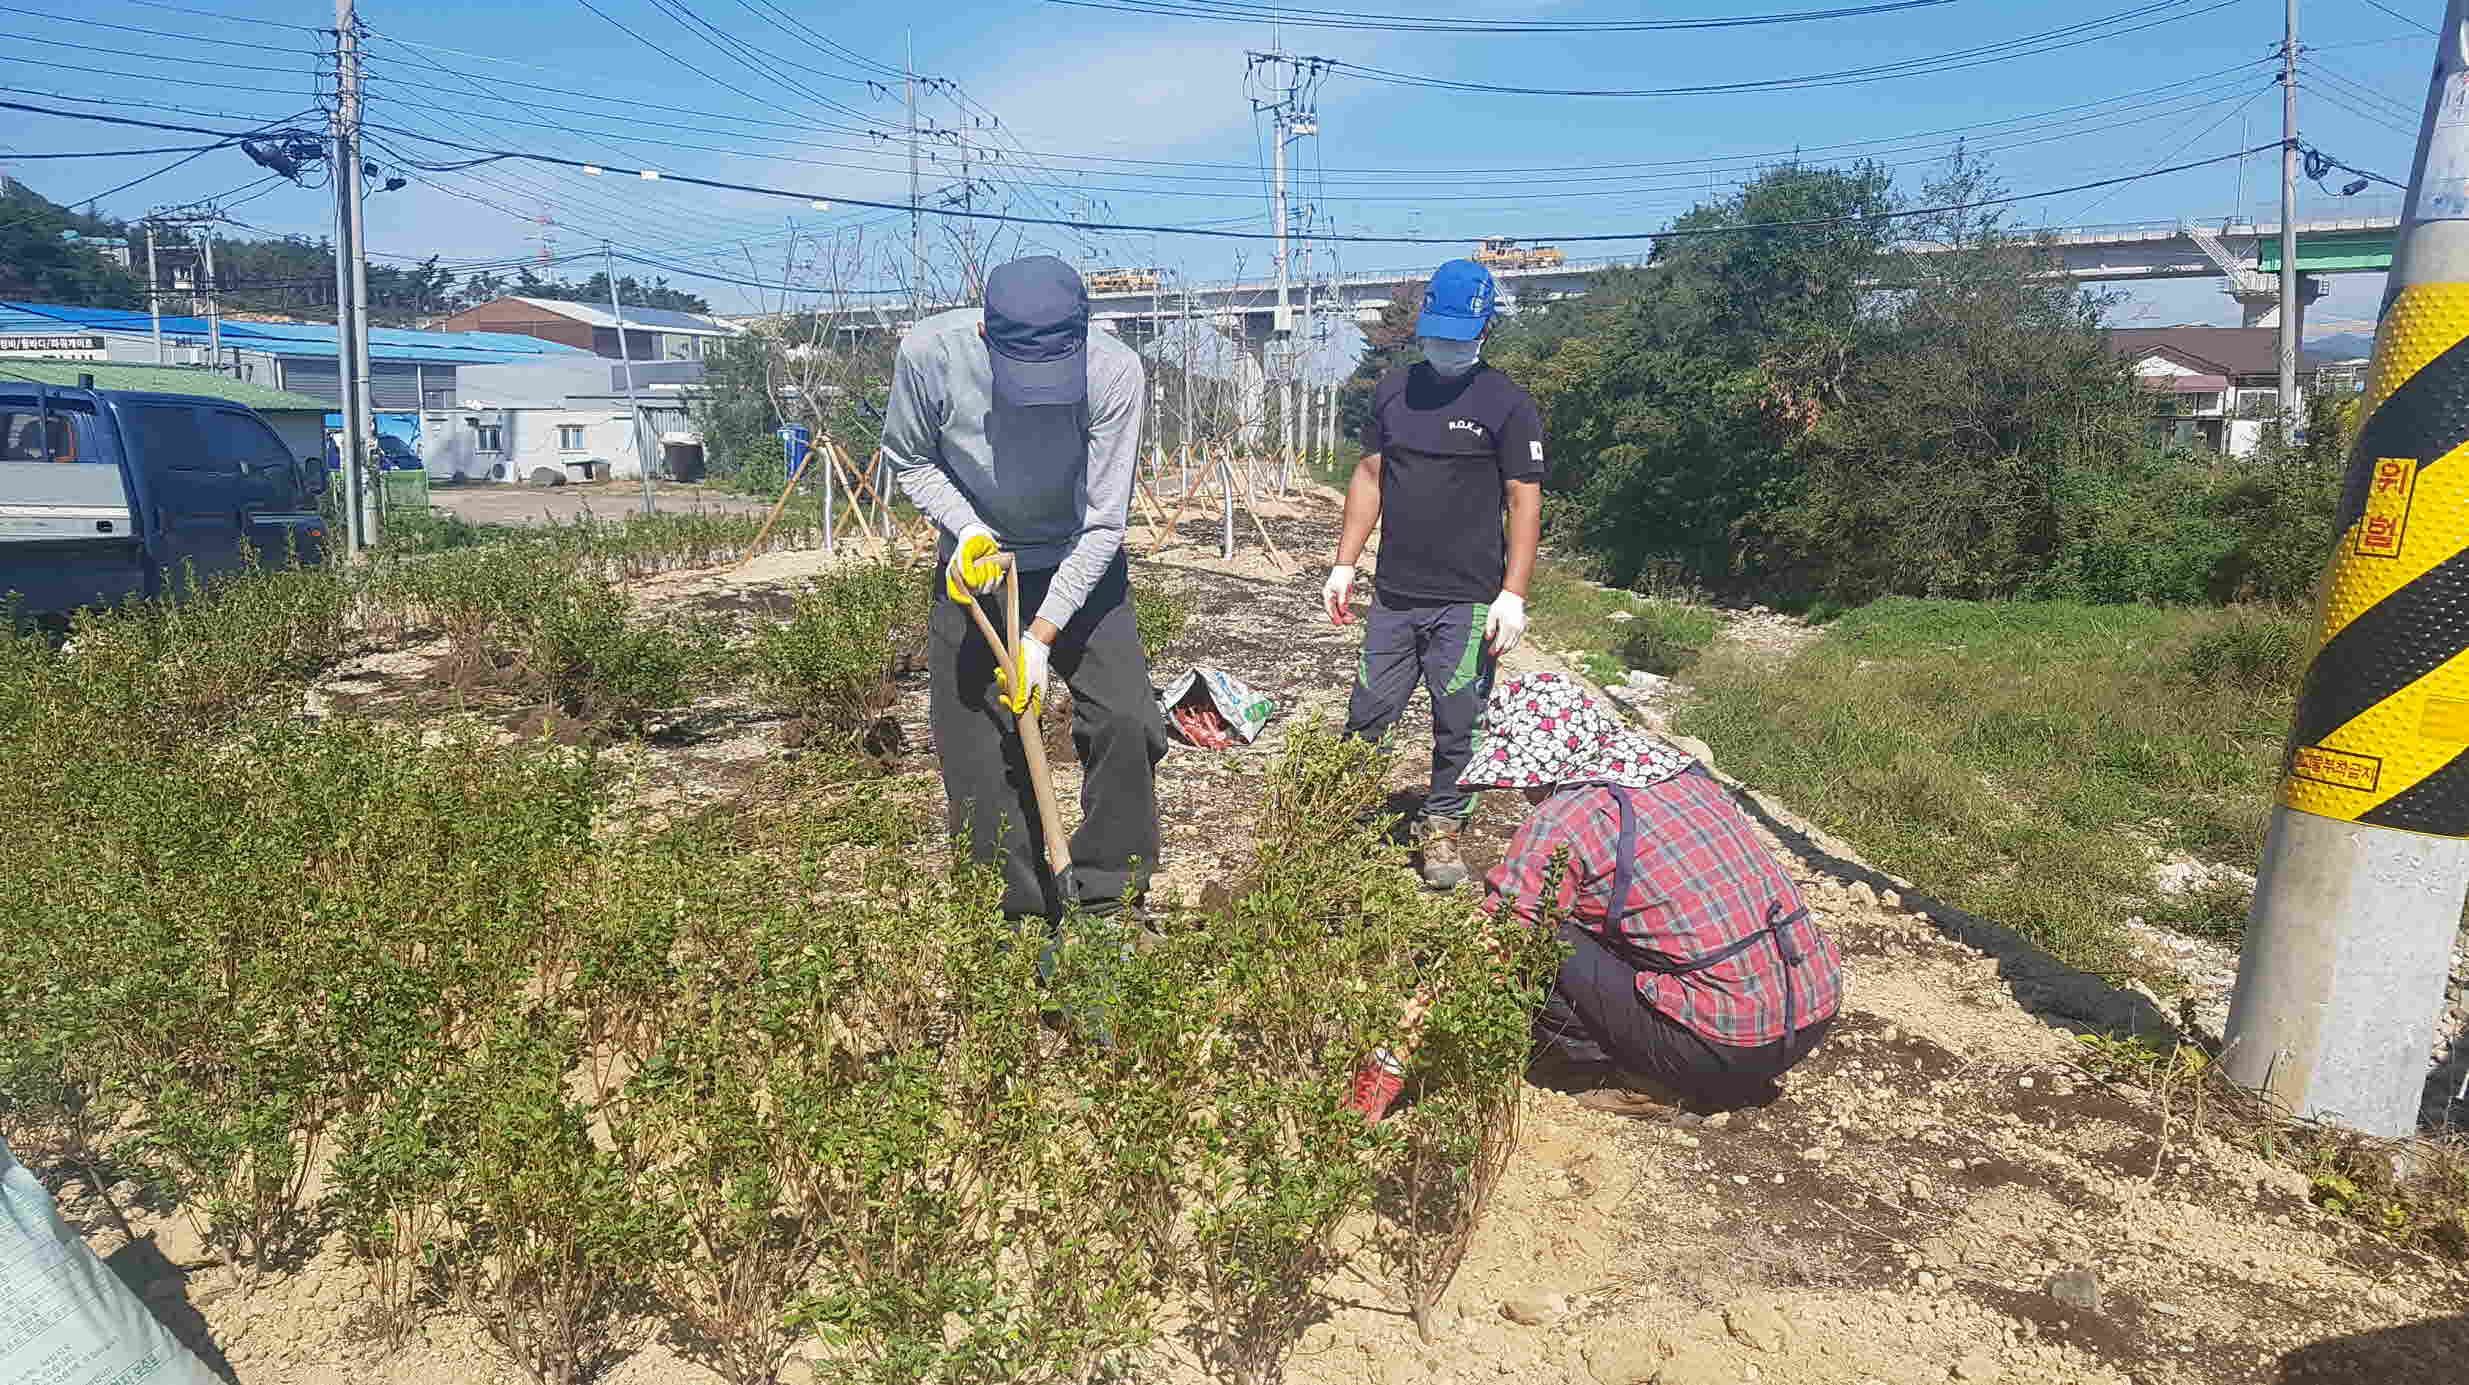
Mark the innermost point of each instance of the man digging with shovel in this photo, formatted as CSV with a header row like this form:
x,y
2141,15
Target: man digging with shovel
x,y
1453,447
1017,431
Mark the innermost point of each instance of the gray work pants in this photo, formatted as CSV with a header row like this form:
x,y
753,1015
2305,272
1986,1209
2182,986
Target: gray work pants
x,y
1115,726
1440,646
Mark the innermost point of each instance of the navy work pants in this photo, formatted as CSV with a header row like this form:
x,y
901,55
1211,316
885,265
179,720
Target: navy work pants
x,y
1440,646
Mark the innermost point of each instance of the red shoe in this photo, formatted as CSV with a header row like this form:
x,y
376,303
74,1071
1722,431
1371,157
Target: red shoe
x,y
1377,1085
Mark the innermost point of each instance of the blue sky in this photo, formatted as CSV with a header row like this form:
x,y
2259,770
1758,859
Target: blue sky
x,y
1143,118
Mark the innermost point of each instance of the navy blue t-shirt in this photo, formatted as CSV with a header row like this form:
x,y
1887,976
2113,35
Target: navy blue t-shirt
x,y
1448,448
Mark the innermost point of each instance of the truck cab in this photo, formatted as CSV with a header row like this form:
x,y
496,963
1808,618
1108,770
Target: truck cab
x,y
112,494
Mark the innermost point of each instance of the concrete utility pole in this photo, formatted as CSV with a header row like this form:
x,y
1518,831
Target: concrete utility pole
x,y
2358,903
346,256
154,291
917,220
214,305
634,407
2290,308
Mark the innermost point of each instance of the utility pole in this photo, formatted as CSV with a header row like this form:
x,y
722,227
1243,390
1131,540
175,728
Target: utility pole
x,y
634,407
1187,384
1291,118
917,220
214,306
1157,378
2290,307
346,254
373,528
154,290
2358,901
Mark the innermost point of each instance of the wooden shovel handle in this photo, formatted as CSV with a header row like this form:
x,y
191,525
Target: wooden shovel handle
x,y
1032,737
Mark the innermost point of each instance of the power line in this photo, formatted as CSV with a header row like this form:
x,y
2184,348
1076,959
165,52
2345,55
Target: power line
x,y
2074,35
2412,23
1085,226
124,153
168,57
1231,11
227,18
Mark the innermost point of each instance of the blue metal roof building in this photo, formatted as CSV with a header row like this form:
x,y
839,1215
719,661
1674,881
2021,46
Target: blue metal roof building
x,y
407,370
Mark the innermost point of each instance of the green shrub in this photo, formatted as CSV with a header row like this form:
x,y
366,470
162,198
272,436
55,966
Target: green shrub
x,y
830,661
436,530
598,665
1160,613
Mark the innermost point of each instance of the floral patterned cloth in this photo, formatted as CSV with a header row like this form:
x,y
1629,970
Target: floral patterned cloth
x,y
1542,730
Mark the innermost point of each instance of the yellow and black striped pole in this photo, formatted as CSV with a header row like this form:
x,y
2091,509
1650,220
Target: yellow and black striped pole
x,y
2349,943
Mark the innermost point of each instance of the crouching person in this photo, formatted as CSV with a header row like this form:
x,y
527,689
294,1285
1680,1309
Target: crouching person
x,y
1695,976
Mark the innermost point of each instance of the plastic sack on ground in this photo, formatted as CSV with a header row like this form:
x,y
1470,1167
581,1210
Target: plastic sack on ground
x,y
65,1318
1242,711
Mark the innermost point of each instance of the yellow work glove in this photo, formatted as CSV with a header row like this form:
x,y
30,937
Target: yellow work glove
x,y
972,569
1034,654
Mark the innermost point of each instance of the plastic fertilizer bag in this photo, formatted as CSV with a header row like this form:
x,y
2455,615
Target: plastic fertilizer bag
x,y
65,1318
1229,708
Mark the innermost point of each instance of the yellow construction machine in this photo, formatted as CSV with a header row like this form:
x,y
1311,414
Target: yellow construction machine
x,y
1121,280
1500,252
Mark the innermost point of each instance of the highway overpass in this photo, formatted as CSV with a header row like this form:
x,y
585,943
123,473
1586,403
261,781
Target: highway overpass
x,y
2246,256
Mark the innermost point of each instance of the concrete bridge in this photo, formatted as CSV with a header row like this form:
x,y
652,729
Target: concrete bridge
x,y
2243,254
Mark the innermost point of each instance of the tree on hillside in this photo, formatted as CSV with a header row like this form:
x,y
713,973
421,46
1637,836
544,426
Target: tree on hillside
x,y
634,293
40,264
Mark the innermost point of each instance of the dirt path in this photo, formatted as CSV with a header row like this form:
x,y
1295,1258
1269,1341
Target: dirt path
x,y
1900,1216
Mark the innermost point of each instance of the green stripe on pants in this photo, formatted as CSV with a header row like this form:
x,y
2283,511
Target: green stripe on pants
x,y
1470,659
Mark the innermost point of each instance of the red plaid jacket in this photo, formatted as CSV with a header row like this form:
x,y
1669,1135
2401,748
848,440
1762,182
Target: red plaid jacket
x,y
1702,880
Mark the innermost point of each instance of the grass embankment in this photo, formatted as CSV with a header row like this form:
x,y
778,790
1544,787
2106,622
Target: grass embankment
x,y
1661,636
2025,761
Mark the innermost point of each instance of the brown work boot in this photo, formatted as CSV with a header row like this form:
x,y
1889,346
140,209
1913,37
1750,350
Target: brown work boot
x,y
1638,1098
1443,868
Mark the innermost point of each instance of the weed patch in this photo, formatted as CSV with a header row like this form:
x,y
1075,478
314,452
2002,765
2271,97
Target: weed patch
x,y
2023,760
1615,631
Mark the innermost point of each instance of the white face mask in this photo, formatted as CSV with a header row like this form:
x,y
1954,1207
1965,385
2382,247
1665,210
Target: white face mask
x,y
1451,357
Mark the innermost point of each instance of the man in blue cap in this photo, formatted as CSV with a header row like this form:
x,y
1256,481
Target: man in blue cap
x,y
1017,428
1452,469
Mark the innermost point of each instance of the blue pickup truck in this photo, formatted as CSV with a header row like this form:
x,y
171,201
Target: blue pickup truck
x,y
109,494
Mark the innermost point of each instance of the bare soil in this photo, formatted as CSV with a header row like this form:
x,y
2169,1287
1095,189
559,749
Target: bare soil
x,y
1898,1216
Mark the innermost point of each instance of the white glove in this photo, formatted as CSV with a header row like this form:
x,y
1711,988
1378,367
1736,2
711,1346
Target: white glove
x,y
1507,624
1034,654
1336,592
971,568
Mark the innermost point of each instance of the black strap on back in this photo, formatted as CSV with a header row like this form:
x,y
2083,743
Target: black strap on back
x,y
1778,923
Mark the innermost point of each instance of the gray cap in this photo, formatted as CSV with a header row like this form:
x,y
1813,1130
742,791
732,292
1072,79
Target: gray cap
x,y
1037,332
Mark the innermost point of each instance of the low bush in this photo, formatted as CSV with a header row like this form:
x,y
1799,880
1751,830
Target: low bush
x,y
762,1079
1160,613
595,663
830,662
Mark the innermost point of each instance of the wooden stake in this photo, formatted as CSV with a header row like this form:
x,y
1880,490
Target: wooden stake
x,y
774,517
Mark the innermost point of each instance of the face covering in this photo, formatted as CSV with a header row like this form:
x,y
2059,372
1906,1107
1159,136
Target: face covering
x,y
1451,358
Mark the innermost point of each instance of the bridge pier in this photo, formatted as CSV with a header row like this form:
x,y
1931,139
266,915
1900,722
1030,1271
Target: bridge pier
x,y
2260,307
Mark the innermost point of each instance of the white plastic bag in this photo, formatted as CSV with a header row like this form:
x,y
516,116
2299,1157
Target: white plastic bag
x,y
1245,712
65,1318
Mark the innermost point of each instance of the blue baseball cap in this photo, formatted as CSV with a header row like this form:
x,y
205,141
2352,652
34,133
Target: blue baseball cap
x,y
1457,302
1037,332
